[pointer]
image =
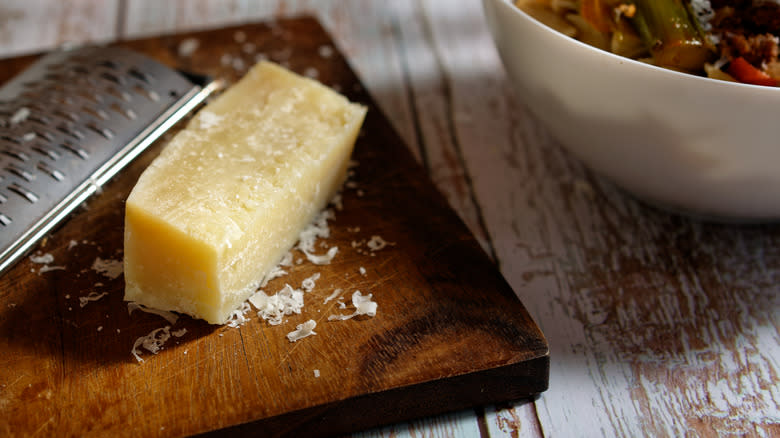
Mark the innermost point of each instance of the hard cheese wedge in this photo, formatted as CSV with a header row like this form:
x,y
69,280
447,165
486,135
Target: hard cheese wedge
x,y
228,197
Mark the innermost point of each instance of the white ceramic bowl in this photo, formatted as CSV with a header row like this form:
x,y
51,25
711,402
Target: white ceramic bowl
x,y
689,143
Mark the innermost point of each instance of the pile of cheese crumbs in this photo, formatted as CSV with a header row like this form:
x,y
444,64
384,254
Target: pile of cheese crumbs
x,y
290,300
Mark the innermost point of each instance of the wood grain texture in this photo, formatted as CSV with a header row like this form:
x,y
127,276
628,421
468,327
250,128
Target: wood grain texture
x,y
658,325
450,334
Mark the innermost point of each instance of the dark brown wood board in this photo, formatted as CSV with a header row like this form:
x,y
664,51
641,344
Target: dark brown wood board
x,y
449,332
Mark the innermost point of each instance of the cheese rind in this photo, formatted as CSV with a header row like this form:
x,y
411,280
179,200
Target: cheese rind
x,y
228,197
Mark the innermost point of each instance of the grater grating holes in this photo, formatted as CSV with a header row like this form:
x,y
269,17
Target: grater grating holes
x,y
95,112
44,134
92,97
46,152
23,192
114,65
149,94
105,132
9,139
119,80
41,120
119,109
141,76
74,149
63,115
51,171
70,130
80,69
15,153
120,94
20,172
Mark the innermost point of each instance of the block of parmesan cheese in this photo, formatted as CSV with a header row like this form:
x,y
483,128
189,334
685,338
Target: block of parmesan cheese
x,y
228,197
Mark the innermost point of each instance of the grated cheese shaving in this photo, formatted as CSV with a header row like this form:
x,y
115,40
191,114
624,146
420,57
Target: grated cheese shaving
x,y
363,306
377,242
226,59
287,260
169,316
259,299
188,46
302,330
238,64
337,202
153,342
332,296
285,302
179,333
47,268
318,228
323,259
19,116
308,284
109,268
276,272
93,296
325,51
238,317
42,259
249,48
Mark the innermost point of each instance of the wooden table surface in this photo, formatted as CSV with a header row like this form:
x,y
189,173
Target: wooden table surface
x,y
658,325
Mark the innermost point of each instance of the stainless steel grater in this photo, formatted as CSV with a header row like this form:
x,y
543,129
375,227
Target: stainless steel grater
x,y
69,123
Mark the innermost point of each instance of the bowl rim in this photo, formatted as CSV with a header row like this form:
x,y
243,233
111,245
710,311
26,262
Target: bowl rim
x,y
674,74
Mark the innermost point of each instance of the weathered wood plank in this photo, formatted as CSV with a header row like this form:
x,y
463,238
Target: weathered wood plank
x,y
457,424
431,91
513,421
32,25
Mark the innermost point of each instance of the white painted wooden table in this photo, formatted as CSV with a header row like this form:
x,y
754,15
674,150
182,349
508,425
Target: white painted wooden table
x,y
658,325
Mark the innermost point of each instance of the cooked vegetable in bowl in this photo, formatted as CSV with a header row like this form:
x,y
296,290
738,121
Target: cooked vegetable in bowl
x,y
687,142
734,40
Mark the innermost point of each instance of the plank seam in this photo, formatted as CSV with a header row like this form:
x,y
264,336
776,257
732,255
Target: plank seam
x,y
409,91
482,422
121,18
452,131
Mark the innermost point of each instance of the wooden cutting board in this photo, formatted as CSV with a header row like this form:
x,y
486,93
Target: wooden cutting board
x,y
449,332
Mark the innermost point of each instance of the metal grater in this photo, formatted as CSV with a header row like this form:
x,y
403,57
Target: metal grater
x,y
69,123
